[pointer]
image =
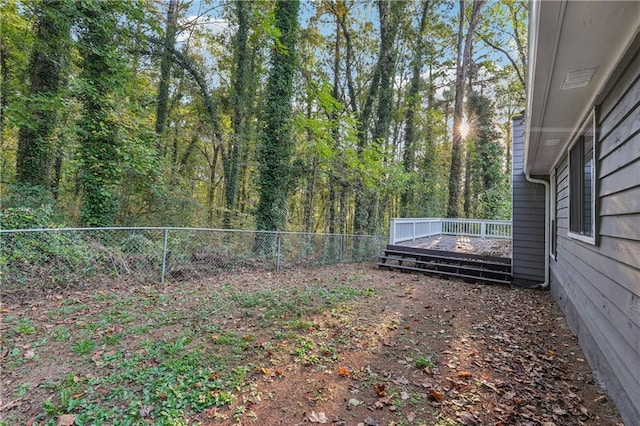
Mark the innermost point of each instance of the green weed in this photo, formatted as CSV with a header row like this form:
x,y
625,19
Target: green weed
x,y
423,362
25,327
84,346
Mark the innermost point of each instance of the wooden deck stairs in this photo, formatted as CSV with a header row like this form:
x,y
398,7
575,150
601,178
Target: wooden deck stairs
x,y
469,267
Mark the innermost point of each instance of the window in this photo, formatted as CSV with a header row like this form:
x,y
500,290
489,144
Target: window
x,y
582,175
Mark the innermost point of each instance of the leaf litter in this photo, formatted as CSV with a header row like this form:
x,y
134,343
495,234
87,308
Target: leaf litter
x,y
500,355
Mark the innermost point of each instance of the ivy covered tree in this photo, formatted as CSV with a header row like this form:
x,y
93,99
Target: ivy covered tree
x,y
275,142
101,83
46,75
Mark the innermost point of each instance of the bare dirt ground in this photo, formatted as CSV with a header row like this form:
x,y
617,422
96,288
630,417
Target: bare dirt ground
x,y
481,246
401,350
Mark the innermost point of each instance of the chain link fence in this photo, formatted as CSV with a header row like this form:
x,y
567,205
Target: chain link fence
x,y
36,259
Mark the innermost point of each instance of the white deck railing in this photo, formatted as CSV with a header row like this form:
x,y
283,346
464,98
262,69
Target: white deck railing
x,y
406,229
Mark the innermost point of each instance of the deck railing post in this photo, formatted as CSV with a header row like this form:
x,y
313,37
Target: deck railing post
x,y
392,232
483,229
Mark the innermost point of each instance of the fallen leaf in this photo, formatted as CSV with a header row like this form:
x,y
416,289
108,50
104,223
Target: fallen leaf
x,y
146,411
584,410
96,355
601,398
467,419
464,374
343,372
370,421
380,390
318,417
354,402
404,395
411,416
433,394
559,411
401,381
67,420
265,371
29,354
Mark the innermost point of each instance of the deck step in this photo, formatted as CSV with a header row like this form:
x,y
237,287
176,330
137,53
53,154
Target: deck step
x,y
473,267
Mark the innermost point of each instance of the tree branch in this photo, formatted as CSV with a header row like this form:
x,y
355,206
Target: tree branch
x,y
508,55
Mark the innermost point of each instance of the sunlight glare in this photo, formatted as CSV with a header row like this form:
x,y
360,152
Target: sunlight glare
x,y
464,128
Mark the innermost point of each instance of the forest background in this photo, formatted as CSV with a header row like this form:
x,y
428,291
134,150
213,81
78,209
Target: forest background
x,y
318,116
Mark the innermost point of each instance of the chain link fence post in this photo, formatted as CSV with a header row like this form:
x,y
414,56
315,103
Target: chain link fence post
x,y
164,255
278,251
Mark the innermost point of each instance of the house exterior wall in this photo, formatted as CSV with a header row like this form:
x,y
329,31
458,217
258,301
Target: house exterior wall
x,y
528,212
598,286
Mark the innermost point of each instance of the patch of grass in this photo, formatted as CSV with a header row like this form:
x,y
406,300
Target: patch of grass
x,y
60,333
423,362
112,338
84,346
118,316
161,384
25,327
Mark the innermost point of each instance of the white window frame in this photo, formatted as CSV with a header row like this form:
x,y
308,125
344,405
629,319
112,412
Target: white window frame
x,y
590,121
553,219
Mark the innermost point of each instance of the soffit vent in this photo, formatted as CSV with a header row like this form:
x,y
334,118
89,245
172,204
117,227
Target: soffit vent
x,y
578,78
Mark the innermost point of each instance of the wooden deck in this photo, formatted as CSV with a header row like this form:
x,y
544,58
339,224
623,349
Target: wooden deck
x,y
469,267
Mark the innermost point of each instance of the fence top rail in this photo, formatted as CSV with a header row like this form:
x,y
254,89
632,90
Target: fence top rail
x,y
412,219
178,228
493,221
417,218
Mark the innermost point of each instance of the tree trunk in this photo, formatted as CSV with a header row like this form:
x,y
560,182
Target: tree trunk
x,y
102,71
409,155
211,190
276,144
365,220
166,63
241,99
464,56
33,160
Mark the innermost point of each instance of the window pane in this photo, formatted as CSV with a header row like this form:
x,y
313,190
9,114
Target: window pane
x,y
587,183
575,190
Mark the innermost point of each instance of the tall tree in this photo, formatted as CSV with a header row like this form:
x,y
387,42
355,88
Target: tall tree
x,y
462,67
166,62
487,169
101,77
276,144
241,99
380,90
413,101
52,28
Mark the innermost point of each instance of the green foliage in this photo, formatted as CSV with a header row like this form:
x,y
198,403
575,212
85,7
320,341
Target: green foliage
x,y
334,126
276,145
49,56
423,362
486,162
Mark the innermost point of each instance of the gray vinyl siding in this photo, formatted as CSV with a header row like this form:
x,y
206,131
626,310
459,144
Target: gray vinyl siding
x,y
598,286
527,216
